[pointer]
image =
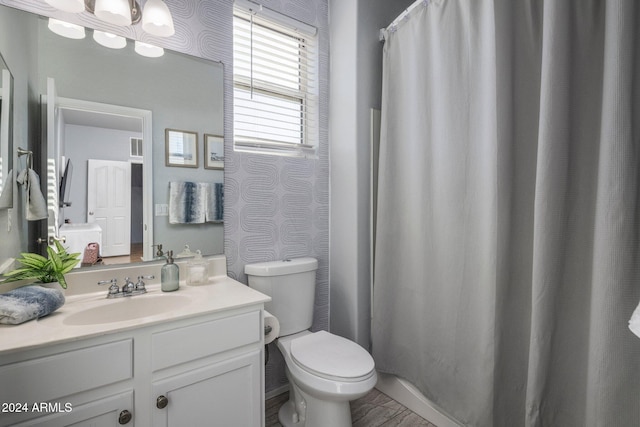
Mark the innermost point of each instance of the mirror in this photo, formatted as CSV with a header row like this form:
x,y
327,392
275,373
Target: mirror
x,y
6,122
123,103
11,241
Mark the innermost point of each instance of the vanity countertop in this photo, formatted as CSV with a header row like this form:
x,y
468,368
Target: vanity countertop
x,y
222,293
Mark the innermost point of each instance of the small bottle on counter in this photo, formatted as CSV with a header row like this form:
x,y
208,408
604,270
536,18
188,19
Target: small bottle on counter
x,y
197,270
169,275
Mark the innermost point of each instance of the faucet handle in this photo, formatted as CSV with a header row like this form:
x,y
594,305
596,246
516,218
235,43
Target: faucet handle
x,y
140,286
128,286
113,289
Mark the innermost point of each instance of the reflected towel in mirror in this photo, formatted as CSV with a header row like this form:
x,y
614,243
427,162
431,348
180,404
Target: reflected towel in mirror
x,y
195,202
215,202
187,202
36,205
6,197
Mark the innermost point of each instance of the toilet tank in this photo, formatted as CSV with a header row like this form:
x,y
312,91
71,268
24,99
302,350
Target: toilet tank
x,y
291,284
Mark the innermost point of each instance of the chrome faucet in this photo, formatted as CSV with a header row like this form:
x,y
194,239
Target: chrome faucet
x,y
129,289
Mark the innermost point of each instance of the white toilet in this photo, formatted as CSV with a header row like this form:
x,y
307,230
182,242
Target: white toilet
x,y
325,371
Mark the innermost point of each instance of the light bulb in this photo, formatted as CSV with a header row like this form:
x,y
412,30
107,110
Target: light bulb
x,y
148,50
109,40
65,29
156,19
116,12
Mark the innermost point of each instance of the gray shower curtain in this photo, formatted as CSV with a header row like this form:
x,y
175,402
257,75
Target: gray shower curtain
x,y
507,255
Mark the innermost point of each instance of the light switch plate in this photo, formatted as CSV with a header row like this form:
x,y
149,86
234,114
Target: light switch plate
x,y
162,209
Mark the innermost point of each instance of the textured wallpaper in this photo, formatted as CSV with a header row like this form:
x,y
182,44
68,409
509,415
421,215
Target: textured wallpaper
x,y
275,207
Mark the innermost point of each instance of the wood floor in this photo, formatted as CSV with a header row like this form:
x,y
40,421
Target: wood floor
x,y
376,409
134,256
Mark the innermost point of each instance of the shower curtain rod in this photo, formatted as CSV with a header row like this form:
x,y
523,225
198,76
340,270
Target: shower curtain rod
x,y
404,15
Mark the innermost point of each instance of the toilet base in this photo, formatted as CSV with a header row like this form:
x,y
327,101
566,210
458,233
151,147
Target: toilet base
x,y
304,410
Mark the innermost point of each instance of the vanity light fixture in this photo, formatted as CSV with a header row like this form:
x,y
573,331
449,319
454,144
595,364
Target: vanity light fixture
x,y
109,40
65,29
148,50
156,20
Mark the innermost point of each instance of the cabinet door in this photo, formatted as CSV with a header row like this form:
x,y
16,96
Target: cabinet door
x,y
102,413
222,394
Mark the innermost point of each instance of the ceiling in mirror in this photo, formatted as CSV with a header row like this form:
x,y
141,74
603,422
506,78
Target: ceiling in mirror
x,y
180,92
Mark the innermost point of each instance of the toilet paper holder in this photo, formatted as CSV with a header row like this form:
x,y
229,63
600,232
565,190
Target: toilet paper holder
x,y
267,329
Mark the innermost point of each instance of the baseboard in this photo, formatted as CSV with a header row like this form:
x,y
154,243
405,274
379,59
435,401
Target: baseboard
x,y
405,393
276,392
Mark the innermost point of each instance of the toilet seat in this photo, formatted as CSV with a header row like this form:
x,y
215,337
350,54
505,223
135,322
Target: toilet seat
x,y
332,357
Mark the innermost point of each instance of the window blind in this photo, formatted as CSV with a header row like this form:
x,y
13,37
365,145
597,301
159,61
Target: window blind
x,y
275,86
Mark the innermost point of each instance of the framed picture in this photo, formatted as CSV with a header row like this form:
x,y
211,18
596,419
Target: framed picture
x,y
213,152
181,148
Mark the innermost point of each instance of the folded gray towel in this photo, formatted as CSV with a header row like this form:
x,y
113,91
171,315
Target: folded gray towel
x,y
28,302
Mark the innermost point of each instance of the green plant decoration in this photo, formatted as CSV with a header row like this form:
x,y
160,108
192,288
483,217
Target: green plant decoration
x,y
46,270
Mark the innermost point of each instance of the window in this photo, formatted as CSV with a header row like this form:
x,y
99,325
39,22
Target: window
x,y
274,84
136,147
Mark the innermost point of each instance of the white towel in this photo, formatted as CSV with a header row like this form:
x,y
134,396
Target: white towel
x,y
634,322
36,203
6,198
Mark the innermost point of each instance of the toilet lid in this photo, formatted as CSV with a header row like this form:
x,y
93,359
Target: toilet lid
x,y
331,356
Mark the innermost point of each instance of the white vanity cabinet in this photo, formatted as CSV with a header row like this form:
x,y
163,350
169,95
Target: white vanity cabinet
x,y
221,394
209,382
202,370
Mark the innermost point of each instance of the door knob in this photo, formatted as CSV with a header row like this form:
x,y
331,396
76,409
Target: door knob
x,y
90,212
162,402
124,417
51,239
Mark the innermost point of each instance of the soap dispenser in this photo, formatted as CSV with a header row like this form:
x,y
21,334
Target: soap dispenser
x,y
169,275
197,271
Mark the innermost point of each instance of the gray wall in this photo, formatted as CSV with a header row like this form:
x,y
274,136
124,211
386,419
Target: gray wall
x,y
356,84
274,207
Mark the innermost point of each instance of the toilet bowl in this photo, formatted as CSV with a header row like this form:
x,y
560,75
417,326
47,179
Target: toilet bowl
x,y
325,371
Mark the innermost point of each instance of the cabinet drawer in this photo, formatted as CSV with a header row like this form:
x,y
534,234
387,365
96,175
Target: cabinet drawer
x,y
103,412
63,374
193,342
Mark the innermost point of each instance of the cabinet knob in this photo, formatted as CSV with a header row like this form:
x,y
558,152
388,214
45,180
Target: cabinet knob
x,y
162,402
125,417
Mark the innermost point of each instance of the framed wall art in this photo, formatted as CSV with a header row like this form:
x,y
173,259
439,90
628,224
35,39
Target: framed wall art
x,y
181,148
213,151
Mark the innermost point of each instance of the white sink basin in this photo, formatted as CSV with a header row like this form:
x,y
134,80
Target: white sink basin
x,y
128,308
